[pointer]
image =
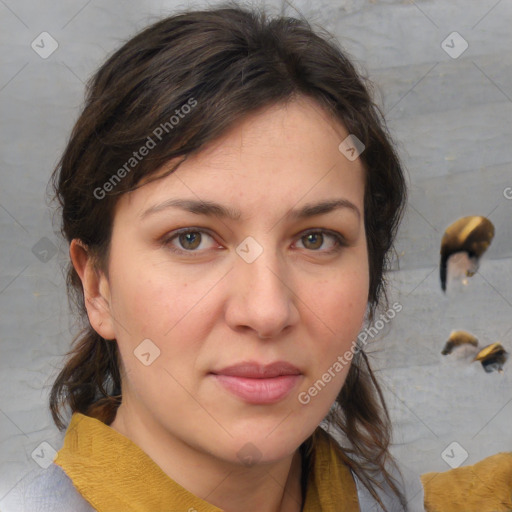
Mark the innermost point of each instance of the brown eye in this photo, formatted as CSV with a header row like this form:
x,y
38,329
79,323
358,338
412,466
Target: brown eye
x,y
190,240
314,240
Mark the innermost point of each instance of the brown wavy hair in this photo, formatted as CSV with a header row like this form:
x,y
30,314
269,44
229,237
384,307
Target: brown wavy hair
x,y
231,61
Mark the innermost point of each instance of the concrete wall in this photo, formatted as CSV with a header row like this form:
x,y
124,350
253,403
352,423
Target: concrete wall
x,y
451,117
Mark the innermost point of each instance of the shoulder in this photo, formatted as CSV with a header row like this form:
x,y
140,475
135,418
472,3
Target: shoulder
x,y
45,490
409,483
483,487
407,480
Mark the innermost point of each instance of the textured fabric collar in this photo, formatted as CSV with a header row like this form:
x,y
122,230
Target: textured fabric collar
x,y
112,473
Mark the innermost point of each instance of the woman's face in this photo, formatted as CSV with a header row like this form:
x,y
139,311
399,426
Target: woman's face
x,y
282,280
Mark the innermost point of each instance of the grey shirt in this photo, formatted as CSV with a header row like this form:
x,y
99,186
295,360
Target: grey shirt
x,y
51,490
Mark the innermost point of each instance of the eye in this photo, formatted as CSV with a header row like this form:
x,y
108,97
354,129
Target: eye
x,y
189,239
314,239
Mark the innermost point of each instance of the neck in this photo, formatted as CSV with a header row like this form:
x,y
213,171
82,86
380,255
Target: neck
x,y
273,486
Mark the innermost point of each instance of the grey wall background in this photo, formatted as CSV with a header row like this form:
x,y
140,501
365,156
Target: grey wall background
x,y
451,116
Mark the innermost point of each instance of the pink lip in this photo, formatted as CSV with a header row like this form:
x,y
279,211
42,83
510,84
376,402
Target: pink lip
x,y
253,370
259,384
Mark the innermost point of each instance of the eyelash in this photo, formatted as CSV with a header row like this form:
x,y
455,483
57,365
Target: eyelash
x,y
339,240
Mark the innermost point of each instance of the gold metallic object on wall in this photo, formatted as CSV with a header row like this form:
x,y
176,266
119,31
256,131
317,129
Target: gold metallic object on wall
x,y
458,338
492,357
471,235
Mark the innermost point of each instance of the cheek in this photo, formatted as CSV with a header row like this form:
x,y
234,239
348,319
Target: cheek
x,y
345,318
342,300
155,309
148,298
342,305
339,309
167,310
139,303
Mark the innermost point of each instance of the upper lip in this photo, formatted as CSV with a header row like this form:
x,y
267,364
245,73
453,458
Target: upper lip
x,y
254,370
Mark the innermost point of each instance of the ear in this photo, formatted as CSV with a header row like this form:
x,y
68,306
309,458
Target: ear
x,y
96,290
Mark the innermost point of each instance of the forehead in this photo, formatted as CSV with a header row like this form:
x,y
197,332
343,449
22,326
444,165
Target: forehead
x,y
275,158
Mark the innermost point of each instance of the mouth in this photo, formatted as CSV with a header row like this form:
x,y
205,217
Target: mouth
x,y
259,384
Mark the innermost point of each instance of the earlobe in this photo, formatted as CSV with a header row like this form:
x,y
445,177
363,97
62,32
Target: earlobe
x,y
96,290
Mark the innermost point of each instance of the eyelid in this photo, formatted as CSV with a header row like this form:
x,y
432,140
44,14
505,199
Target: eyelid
x,y
340,240
169,237
330,232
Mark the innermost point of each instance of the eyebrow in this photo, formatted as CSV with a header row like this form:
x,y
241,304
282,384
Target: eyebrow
x,y
211,208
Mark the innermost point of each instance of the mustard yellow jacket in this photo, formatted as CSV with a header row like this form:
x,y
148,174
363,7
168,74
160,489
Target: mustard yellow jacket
x,y
485,486
98,469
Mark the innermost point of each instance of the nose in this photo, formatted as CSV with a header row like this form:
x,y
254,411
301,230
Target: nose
x,y
261,298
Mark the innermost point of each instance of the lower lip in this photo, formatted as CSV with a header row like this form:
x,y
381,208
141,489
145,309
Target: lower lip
x,y
259,391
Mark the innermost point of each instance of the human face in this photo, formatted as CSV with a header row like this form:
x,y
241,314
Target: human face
x,y
212,299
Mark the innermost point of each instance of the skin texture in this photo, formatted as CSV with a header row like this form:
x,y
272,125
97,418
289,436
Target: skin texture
x,y
207,310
